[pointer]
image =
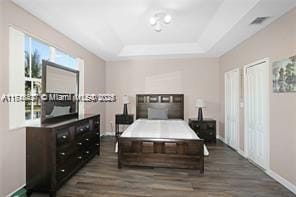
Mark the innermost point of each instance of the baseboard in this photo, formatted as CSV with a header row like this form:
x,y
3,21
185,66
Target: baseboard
x,y
290,186
108,134
242,153
10,194
220,138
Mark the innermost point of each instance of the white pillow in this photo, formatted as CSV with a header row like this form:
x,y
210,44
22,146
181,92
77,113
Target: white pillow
x,y
157,114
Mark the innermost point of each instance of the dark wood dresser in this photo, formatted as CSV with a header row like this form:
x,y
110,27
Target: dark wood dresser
x,y
56,151
205,129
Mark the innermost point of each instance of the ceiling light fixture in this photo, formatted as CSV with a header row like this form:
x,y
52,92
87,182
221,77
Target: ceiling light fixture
x,y
158,19
167,19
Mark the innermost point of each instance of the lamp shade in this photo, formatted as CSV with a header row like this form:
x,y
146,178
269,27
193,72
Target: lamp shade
x,y
125,99
200,103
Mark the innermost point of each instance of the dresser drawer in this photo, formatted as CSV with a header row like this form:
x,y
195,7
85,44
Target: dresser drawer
x,y
195,126
122,119
211,125
96,128
204,129
62,155
82,129
96,124
86,153
208,135
65,153
86,140
65,169
63,136
97,144
97,134
91,151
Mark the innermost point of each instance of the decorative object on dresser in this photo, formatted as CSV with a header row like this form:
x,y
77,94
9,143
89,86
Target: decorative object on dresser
x,y
54,152
200,104
205,129
121,119
125,100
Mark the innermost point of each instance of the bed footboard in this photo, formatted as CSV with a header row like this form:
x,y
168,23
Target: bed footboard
x,y
174,153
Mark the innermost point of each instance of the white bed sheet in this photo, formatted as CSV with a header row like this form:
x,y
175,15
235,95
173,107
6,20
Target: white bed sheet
x,y
170,129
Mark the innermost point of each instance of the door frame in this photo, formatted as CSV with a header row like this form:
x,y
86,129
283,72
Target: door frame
x,y
238,110
267,85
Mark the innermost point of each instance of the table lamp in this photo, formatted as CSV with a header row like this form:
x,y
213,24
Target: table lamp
x,y
125,100
200,104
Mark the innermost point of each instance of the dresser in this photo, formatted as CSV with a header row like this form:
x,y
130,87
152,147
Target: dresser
x,y
121,119
205,129
54,152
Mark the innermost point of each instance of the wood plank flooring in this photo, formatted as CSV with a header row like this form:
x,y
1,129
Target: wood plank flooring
x,y
226,174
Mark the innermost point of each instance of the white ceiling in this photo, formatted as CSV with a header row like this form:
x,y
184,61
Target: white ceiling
x,y
120,29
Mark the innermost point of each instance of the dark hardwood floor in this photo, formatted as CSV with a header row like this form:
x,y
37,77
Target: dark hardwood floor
x,y
226,174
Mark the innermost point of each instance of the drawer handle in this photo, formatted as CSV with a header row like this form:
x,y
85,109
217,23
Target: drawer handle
x,y
87,152
62,170
97,133
79,143
64,137
86,139
79,157
97,144
62,153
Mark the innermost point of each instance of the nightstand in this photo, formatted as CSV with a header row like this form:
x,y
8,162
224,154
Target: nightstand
x,y
205,129
121,119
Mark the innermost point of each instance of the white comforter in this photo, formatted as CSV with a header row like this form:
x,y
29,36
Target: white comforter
x,y
171,129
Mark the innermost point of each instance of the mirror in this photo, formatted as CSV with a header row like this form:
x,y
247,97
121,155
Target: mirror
x,y
61,87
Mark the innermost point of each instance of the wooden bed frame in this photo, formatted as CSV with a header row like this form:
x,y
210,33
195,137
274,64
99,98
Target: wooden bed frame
x,y
156,152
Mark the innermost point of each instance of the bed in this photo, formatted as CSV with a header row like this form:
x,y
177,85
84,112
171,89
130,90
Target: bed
x,y
161,143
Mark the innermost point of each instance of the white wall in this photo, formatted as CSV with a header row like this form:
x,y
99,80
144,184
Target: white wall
x,y
195,78
12,150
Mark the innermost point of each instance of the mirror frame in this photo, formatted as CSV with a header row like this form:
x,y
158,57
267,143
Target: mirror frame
x,y
44,119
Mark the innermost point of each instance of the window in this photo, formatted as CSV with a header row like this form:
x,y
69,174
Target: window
x,y
35,52
65,59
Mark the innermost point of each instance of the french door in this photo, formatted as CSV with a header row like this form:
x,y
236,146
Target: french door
x,y
232,108
256,113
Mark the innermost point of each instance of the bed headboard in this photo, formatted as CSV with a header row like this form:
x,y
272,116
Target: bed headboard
x,y
173,102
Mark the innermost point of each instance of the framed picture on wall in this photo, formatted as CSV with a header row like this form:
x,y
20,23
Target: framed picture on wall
x,y
284,75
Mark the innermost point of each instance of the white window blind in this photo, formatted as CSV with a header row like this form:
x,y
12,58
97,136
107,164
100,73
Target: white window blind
x,y
80,64
16,77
